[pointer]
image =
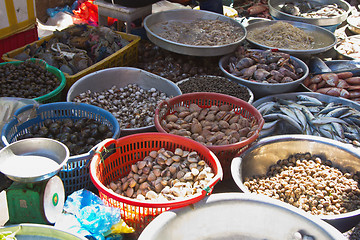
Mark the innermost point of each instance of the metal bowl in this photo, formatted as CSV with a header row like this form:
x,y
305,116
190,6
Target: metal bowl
x,y
152,24
264,89
33,159
251,95
319,96
120,77
276,5
354,24
34,231
257,159
324,39
238,216
348,48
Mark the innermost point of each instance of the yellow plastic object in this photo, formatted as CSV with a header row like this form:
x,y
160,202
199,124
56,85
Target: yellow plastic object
x,y
119,228
16,16
228,11
126,56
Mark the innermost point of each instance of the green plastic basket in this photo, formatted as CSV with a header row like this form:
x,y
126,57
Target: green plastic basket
x,y
53,96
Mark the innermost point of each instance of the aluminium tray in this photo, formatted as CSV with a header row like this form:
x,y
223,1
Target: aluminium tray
x,y
276,5
153,28
324,39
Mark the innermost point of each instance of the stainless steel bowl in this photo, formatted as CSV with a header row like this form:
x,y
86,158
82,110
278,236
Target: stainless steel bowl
x,y
152,25
257,159
33,159
354,24
324,39
349,48
264,89
34,231
120,77
276,5
251,95
238,216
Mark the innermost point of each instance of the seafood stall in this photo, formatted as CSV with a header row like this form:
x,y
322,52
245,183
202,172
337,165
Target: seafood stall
x,y
205,122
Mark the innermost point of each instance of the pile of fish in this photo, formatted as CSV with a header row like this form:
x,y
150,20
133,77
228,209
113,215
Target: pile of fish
x,y
308,115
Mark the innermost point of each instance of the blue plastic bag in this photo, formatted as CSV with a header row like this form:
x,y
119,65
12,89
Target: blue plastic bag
x,y
87,215
53,11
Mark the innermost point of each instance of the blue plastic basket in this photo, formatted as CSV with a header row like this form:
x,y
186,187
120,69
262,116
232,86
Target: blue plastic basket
x,y
75,175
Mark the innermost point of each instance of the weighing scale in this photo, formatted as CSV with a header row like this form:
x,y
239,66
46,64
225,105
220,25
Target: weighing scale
x,y
37,195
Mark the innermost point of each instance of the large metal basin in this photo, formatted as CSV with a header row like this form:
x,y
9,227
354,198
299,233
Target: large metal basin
x,y
152,24
323,39
120,77
257,159
238,216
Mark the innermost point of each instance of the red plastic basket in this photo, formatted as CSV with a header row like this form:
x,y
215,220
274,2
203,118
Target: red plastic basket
x,y
225,153
113,160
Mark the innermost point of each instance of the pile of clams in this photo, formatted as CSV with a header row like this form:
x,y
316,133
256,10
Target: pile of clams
x,y
164,175
217,125
264,66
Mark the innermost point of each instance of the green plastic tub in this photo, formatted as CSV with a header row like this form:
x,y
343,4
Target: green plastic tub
x,y
55,95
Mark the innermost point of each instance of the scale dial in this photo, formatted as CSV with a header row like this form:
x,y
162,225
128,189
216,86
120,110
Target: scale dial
x,y
53,199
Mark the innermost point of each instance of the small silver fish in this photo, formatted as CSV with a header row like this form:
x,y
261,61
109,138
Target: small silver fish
x,y
270,125
338,112
291,121
326,120
338,129
315,101
266,107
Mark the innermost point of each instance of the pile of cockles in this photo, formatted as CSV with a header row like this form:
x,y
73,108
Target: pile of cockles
x,y
133,106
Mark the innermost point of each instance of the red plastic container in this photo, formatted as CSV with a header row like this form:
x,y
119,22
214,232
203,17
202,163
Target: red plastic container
x,y
225,153
18,40
113,160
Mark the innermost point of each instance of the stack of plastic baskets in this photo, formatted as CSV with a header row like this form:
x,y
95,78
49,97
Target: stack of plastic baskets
x,y
75,175
113,160
225,153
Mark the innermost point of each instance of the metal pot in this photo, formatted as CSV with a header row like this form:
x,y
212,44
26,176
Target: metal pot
x,y
257,159
238,216
275,11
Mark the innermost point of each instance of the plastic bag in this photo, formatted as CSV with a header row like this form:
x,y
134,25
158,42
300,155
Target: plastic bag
x,y
87,12
8,106
87,215
53,11
119,228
